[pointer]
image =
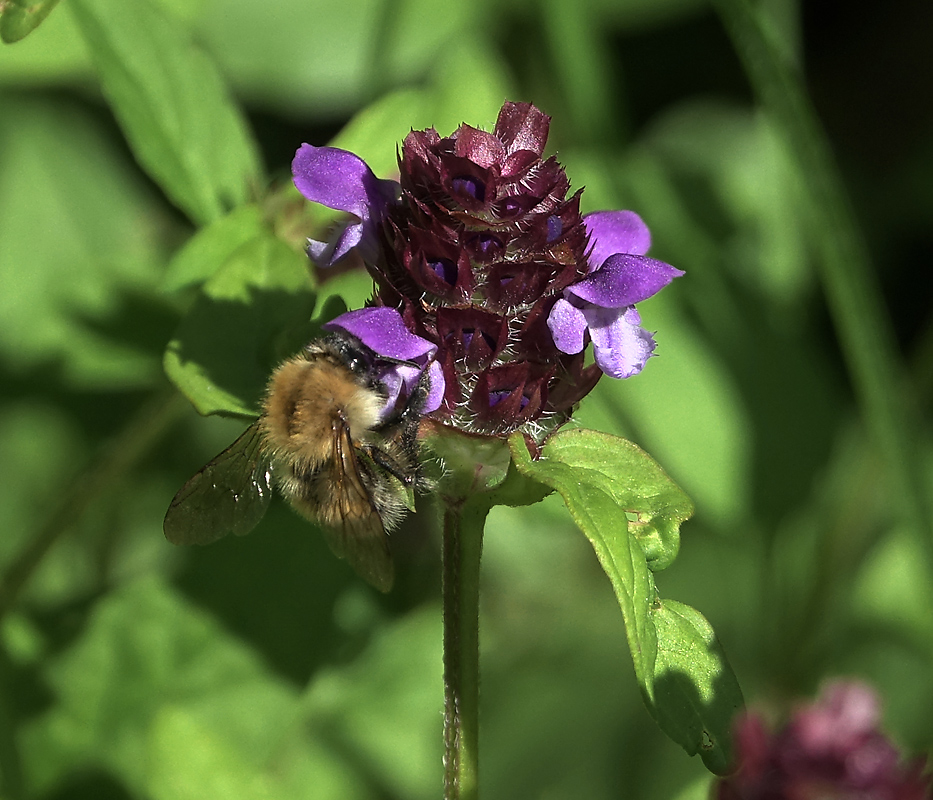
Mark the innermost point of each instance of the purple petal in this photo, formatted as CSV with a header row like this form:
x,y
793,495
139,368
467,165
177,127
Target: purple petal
x,y
614,232
341,180
392,381
325,254
399,381
567,324
317,251
383,331
620,345
624,280
437,388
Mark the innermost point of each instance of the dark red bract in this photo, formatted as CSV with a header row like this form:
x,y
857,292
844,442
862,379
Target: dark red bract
x,y
482,245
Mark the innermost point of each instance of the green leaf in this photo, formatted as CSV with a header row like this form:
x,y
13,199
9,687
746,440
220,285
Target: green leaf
x,y
212,246
175,111
309,57
375,132
895,592
146,650
696,693
64,285
351,289
171,704
19,18
654,504
469,86
470,83
190,761
191,758
385,708
685,680
687,411
597,514
251,314
699,789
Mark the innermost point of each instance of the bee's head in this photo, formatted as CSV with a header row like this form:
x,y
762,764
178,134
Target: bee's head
x,y
347,349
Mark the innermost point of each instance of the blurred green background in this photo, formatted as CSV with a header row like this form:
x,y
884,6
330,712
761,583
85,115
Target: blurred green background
x,y
261,667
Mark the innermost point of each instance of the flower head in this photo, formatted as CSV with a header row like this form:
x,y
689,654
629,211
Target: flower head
x,y
484,255
832,750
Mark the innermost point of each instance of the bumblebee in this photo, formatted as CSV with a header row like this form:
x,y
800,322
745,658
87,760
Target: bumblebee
x,y
323,441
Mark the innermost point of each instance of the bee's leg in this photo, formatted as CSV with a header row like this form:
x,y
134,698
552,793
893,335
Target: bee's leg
x,y
390,465
404,426
411,414
414,406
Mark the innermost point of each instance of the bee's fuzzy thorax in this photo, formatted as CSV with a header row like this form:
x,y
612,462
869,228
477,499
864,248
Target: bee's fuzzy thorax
x,y
306,398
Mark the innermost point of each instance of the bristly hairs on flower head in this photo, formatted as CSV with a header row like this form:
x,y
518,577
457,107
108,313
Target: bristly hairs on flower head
x,y
484,257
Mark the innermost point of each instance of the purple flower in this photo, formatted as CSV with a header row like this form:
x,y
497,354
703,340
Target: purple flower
x,y
341,180
603,303
831,749
402,356
481,251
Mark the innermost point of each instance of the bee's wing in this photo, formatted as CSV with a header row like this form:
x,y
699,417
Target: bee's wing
x,y
360,536
229,495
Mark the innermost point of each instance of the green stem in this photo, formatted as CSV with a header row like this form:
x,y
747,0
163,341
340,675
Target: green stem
x,y
854,298
462,549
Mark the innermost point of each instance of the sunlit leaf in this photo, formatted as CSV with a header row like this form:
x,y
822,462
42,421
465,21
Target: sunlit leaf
x,y
468,85
77,242
175,707
310,55
18,18
629,509
895,591
686,409
373,133
386,706
211,247
588,495
696,693
631,480
251,314
190,761
173,107
146,650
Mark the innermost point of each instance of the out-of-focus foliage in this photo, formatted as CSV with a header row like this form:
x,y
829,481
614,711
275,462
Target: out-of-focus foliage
x,y
262,667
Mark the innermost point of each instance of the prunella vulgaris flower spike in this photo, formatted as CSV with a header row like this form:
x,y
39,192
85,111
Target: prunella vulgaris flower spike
x,y
480,252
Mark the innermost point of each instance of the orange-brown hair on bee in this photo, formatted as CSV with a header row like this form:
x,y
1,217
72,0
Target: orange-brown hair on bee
x,y
326,441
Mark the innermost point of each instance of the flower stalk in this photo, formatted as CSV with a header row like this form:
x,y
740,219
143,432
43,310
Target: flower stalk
x,y
462,550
